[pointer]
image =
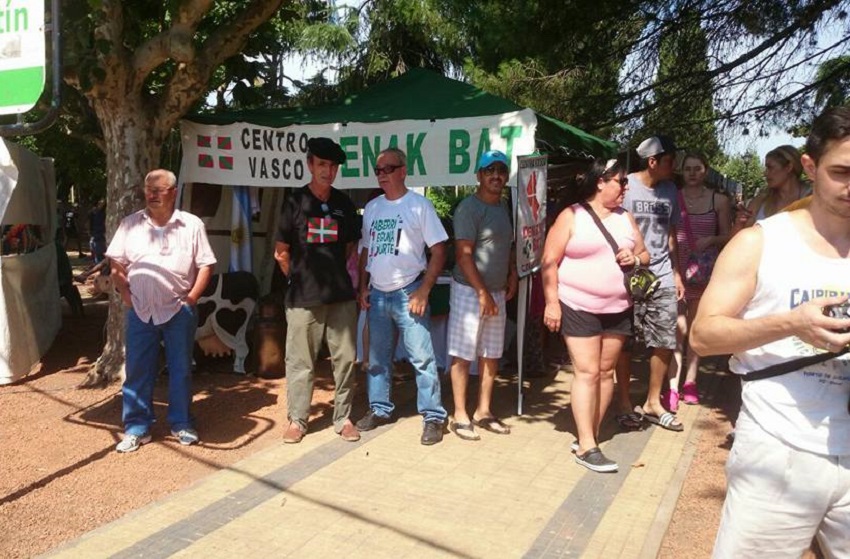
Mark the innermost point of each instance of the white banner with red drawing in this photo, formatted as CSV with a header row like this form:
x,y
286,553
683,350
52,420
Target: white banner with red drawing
x,y
531,212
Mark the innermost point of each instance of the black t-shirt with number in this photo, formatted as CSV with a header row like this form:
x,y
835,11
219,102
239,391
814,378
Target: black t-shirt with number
x,y
317,234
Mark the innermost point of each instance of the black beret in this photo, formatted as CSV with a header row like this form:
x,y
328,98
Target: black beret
x,y
325,148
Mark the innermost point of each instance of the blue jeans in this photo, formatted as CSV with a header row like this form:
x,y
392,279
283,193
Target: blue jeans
x,y
389,314
141,365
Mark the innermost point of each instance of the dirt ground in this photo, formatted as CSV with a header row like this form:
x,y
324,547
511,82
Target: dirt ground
x,y
61,477
694,524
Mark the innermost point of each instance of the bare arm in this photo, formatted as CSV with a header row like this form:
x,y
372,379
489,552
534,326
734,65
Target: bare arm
x,y
363,297
640,254
724,220
513,276
281,254
465,260
718,328
746,216
553,252
419,298
119,280
673,246
724,225
201,283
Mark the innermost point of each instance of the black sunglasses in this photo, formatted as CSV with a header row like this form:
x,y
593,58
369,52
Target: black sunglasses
x,y
386,169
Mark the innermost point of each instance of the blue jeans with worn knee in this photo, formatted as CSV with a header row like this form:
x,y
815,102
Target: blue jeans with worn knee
x,y
141,365
389,313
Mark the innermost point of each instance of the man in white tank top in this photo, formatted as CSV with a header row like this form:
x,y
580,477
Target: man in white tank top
x,y
788,472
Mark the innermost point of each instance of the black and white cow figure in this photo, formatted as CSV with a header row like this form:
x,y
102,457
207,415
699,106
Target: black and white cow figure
x,y
224,311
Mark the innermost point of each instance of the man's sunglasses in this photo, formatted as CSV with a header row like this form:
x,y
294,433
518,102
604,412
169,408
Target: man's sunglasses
x,y
386,169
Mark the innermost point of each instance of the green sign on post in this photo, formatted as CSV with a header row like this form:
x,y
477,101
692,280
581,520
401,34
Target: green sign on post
x,y
22,54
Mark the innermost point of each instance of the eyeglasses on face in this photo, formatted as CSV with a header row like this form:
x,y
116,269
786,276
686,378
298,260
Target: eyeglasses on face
x,y
622,181
386,169
495,169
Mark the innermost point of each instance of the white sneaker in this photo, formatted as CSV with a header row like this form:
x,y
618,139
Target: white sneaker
x,y
186,436
132,443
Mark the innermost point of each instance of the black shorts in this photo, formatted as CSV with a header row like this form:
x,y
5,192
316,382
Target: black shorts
x,y
581,324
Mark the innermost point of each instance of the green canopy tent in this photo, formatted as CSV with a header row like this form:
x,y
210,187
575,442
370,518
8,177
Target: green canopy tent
x,y
443,124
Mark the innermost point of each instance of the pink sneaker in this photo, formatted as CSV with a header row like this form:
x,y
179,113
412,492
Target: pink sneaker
x,y
670,400
689,391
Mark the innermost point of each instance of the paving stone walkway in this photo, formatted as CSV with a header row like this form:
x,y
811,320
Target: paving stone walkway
x,y
520,495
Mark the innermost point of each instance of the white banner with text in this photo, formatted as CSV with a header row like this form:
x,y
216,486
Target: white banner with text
x,y
439,152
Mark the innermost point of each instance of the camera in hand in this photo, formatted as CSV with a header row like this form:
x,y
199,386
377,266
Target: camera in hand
x,y
841,310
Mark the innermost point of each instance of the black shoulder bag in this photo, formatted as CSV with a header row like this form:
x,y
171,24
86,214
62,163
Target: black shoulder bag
x,y
640,282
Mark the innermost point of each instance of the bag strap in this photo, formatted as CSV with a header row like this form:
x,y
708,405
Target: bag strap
x,y
601,226
791,366
686,220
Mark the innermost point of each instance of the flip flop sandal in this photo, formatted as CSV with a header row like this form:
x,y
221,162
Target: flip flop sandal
x,y
665,420
492,424
465,431
630,421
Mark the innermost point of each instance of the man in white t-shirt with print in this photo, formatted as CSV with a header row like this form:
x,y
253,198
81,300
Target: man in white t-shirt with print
x,y
788,474
395,283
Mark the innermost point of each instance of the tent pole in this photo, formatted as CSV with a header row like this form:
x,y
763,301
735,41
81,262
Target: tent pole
x,y
522,311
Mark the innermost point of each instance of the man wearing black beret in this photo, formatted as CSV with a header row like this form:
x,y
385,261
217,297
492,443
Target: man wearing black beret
x,y
318,230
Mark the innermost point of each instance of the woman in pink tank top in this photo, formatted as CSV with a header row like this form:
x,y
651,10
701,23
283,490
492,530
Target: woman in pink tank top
x,y
704,226
586,299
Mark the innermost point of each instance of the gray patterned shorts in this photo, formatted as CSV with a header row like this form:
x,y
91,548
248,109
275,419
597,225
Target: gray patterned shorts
x,y
655,319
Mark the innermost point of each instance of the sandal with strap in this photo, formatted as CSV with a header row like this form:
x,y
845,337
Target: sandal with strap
x,y
465,431
631,421
492,424
666,421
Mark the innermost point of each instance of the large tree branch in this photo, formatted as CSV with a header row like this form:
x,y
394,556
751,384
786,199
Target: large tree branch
x,y
189,81
175,43
114,60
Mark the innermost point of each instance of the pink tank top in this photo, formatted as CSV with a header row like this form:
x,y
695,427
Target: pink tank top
x,y
589,278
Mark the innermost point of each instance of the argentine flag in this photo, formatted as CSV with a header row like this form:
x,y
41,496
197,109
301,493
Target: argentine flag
x,y
241,233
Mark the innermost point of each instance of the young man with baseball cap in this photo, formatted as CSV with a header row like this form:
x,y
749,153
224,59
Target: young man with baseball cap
x,y
318,231
651,198
484,278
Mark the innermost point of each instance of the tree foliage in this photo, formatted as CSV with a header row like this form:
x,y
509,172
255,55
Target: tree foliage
x,y
615,67
747,170
760,54
684,108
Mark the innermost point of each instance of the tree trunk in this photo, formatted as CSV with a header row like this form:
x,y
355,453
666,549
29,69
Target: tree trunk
x,y
134,151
